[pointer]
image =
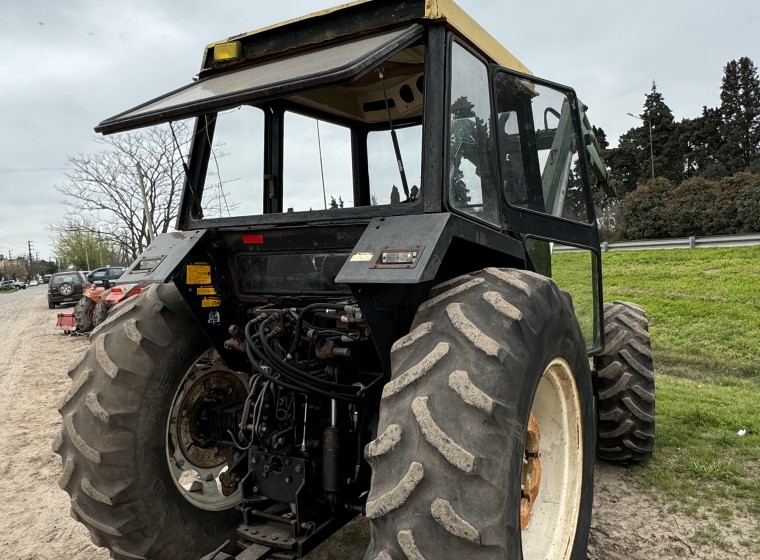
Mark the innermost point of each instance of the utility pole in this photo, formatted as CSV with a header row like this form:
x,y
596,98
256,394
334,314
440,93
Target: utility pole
x,y
30,244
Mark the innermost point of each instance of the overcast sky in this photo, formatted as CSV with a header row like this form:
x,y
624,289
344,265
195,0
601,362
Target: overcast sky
x,y
67,65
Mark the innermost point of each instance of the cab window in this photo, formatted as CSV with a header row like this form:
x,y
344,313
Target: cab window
x,y
538,149
472,180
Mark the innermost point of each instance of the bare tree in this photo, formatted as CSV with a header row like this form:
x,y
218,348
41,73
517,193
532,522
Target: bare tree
x,y
104,189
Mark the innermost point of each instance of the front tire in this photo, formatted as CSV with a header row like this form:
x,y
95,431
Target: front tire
x,y
486,431
115,442
626,386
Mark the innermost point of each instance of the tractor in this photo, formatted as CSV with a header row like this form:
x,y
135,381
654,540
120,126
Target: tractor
x,y
383,298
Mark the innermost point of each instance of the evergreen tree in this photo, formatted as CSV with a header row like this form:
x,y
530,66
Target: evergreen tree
x,y
333,202
625,161
601,137
668,151
395,197
701,140
740,115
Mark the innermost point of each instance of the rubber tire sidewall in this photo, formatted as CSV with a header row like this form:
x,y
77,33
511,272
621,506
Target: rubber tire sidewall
x,y
162,497
157,521
557,335
628,353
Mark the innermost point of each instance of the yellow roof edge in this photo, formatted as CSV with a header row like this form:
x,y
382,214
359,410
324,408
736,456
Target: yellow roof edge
x,y
468,28
438,10
288,22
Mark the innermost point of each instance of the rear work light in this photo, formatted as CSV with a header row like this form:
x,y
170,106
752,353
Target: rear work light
x,y
224,52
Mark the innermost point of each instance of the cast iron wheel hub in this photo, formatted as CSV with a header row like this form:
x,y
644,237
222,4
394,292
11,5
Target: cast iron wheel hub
x,y
195,459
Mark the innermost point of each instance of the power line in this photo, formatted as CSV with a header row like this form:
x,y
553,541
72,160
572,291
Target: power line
x,y
33,169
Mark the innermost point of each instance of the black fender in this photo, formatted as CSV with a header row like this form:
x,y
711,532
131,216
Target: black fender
x,y
425,243
160,260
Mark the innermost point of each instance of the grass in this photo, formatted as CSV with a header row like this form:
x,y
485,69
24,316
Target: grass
x,y
703,306
704,312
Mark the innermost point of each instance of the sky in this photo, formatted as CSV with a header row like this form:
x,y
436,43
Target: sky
x,y
66,66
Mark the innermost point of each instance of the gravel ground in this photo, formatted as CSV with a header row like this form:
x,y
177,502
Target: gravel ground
x,y
35,524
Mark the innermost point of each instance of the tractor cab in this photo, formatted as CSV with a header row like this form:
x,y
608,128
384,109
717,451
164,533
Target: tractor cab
x,y
405,115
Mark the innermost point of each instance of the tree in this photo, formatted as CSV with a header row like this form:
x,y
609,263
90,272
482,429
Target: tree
x,y
601,137
395,197
631,162
701,140
625,162
84,247
668,151
103,189
740,115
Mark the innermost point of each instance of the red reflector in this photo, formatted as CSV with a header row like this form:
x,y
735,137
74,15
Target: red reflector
x,y
253,239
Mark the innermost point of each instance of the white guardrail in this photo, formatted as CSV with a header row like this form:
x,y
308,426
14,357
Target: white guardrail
x,y
677,243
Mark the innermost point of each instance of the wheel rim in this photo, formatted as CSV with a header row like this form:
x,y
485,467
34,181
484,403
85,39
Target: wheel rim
x,y
550,528
197,465
66,289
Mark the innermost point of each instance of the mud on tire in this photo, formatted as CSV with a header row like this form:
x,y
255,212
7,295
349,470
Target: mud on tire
x,y
114,431
83,313
448,460
626,386
100,312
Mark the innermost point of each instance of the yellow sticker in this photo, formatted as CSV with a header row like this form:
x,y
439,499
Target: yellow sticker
x,y
361,257
198,274
211,302
206,291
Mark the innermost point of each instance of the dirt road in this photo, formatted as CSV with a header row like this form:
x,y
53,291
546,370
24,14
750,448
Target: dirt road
x,y
34,519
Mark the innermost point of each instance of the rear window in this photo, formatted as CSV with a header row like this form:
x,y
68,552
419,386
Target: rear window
x,y
64,278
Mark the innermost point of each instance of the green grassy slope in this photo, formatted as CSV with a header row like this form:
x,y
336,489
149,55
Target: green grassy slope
x,y
704,312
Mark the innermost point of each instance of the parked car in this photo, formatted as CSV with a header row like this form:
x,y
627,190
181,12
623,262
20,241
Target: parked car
x,y
46,278
66,286
19,285
33,283
7,285
106,273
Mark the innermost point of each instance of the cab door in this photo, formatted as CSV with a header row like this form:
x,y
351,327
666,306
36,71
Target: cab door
x,y
545,188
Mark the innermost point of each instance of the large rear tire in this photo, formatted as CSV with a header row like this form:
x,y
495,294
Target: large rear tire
x,y
119,439
625,382
486,431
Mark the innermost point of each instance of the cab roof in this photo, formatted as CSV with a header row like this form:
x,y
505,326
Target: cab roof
x,y
362,17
